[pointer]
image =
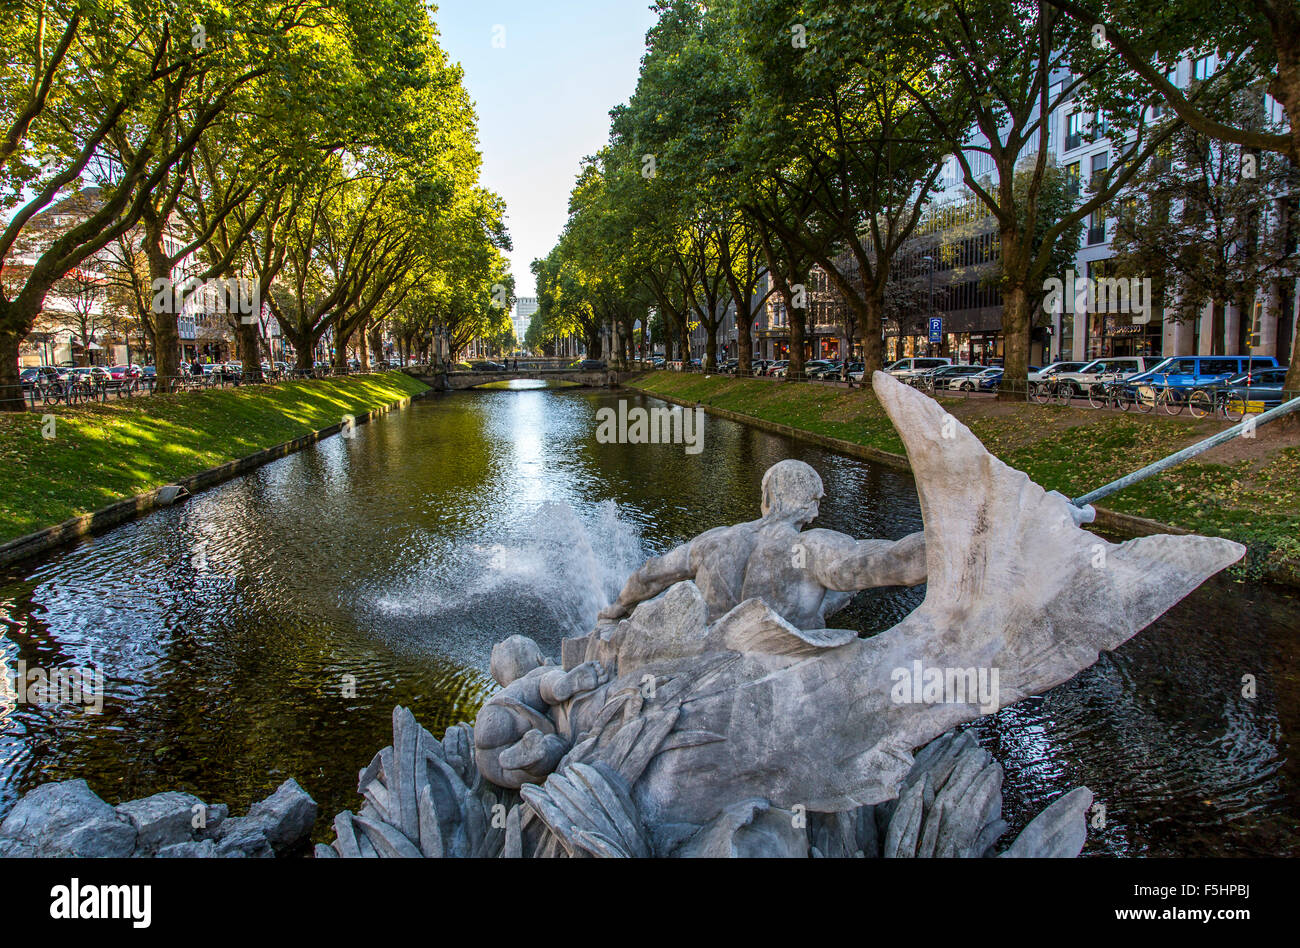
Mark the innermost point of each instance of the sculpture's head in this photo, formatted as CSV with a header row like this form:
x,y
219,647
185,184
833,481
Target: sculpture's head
x,y
514,658
792,491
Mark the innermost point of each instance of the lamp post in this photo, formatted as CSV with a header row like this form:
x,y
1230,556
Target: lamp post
x,y
929,306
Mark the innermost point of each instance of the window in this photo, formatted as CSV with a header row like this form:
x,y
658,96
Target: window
x,y
1220,366
1163,160
1073,130
1203,68
1101,124
1097,227
1100,162
1073,179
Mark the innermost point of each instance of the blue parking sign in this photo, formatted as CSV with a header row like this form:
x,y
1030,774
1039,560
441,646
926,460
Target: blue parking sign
x,y
936,329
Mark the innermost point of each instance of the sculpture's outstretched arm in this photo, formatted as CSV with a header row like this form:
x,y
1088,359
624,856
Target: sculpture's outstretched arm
x,y
650,580
847,565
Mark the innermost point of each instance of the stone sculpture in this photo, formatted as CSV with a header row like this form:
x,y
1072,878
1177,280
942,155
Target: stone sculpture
x,y
721,717
802,576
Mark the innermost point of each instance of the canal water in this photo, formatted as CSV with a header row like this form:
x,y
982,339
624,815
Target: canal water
x,y
265,629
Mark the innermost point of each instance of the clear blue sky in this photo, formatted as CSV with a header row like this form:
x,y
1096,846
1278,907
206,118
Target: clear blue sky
x,y
543,99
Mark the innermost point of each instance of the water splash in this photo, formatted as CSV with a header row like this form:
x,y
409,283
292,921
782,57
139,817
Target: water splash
x,y
547,577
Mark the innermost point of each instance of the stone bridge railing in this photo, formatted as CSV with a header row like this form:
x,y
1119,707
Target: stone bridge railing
x,y
458,381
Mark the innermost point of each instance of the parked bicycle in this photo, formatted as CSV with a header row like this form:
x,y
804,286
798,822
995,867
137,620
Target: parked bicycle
x,y
1169,399
50,392
1110,393
1049,391
1228,399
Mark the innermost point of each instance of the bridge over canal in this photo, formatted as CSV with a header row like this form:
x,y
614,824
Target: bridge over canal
x,y
459,381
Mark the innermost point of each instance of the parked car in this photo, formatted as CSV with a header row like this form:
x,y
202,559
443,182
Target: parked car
x,y
1121,367
906,368
222,370
1185,373
822,368
809,366
47,374
1050,370
93,375
776,366
989,379
974,377
1260,388
947,373
857,370
486,366
122,373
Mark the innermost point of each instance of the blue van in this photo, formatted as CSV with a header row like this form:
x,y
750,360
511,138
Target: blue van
x,y
1184,373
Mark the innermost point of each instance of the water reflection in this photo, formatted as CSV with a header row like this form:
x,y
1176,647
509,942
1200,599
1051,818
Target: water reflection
x,y
266,628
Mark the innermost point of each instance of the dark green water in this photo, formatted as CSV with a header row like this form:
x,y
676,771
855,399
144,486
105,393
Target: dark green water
x,y
266,628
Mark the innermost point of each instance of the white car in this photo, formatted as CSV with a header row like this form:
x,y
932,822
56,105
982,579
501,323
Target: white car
x,y
907,368
1116,367
970,381
946,374
1049,371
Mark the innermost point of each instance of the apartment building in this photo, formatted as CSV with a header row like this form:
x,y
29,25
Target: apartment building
x,y
948,272
92,315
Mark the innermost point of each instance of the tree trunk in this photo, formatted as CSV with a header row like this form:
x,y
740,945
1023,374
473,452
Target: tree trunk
x,y
250,350
340,352
711,349
798,320
684,339
1292,383
871,332
363,348
11,387
744,342
302,350
167,342
1017,323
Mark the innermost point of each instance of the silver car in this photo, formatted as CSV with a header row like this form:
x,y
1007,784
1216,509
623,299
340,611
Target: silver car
x,y
1116,367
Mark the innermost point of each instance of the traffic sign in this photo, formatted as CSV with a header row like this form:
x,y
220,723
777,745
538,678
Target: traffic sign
x,y
936,329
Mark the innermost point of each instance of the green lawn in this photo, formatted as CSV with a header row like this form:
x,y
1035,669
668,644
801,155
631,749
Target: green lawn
x,y
1248,491
101,454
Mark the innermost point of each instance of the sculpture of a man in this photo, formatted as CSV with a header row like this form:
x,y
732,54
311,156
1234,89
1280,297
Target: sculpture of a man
x,y
522,731
803,575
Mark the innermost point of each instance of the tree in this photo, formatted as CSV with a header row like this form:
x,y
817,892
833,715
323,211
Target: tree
x,y
1211,233
1257,43
1257,46
1005,64
119,104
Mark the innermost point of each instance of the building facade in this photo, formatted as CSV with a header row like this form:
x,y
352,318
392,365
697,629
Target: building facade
x,y
948,271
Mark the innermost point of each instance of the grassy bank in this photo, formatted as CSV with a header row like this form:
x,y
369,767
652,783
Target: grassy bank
x,y
108,452
1248,490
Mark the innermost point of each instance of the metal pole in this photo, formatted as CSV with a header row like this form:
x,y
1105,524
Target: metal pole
x,y
1249,424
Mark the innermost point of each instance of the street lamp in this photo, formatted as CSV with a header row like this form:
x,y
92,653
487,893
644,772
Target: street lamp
x,y
929,307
